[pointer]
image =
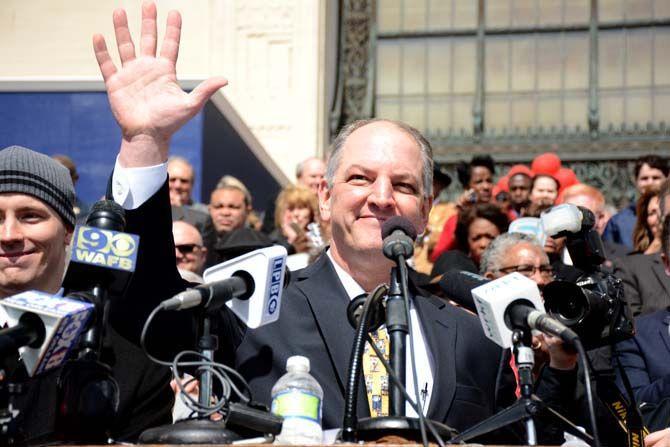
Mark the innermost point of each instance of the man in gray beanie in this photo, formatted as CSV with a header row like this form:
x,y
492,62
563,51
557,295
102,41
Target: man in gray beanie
x,y
37,220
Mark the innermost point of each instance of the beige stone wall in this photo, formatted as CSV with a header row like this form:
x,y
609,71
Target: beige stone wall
x,y
272,52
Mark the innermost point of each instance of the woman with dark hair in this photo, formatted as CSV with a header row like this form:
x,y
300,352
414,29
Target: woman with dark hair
x,y
642,272
647,232
477,226
477,180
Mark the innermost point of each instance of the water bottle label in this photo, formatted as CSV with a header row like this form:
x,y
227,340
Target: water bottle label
x,y
297,404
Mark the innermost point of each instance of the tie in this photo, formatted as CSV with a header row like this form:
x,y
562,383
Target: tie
x,y
376,378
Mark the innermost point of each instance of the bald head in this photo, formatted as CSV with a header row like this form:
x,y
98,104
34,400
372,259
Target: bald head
x,y
310,172
590,198
181,176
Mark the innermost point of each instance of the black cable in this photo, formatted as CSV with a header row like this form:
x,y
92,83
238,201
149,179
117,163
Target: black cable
x,y
589,394
402,271
220,371
350,420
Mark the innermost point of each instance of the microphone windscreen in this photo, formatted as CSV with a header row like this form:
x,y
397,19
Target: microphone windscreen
x,y
107,214
398,223
457,285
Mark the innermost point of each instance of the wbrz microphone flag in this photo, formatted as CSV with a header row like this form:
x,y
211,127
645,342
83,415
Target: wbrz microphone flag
x,y
64,320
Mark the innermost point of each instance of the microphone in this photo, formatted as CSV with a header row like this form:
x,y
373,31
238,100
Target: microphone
x,y
44,328
457,285
398,235
102,255
250,285
513,302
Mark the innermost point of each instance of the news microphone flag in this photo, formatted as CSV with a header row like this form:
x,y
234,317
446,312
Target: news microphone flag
x,y
64,320
493,299
267,268
105,248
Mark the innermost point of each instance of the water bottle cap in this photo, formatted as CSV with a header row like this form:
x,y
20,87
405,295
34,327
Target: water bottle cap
x,y
297,363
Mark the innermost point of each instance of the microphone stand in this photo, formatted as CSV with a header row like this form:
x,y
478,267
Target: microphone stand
x,y
397,306
8,429
200,430
528,407
398,328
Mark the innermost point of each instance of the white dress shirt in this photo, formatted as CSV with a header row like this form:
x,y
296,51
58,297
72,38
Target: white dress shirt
x,y
425,364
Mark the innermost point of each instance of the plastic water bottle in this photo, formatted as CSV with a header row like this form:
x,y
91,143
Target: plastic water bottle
x,y
297,397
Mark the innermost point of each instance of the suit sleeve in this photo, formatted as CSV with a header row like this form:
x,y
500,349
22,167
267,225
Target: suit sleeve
x,y
630,284
634,362
155,279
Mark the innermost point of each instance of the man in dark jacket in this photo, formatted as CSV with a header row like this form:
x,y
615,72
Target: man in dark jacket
x,y
378,169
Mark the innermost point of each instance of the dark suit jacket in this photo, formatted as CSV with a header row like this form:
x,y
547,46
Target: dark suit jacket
x,y
472,377
646,285
646,358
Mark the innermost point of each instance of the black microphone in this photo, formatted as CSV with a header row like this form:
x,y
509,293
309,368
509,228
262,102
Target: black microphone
x,y
355,312
522,315
102,255
29,331
102,262
213,295
398,234
457,285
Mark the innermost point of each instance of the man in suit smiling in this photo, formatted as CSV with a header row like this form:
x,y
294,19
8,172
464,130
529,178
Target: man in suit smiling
x,y
377,169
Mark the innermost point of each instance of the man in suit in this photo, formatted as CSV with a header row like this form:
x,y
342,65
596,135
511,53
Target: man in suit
x,y
377,169
646,357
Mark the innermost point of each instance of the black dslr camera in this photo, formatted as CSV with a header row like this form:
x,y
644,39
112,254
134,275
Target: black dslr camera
x,y
592,304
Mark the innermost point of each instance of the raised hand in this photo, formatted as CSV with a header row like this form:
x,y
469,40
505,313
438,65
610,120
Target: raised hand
x,y
146,100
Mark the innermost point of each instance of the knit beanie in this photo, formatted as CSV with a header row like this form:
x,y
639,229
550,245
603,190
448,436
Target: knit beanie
x,y
28,172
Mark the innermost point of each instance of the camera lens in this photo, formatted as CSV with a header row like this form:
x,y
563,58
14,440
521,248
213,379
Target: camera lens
x,y
570,309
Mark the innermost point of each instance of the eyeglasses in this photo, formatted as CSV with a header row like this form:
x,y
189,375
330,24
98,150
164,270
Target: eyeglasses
x,y
529,270
187,248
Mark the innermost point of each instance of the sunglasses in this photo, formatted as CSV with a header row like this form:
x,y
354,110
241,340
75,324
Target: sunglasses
x,y
187,248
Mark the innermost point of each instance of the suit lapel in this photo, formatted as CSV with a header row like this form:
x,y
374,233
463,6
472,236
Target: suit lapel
x,y
665,335
440,334
659,271
328,301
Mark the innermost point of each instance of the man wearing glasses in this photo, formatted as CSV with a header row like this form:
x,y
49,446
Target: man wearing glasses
x,y
189,249
516,252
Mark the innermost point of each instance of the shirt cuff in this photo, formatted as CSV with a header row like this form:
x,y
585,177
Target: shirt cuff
x,y
131,187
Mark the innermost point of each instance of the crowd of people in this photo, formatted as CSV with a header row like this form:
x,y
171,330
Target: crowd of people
x,y
330,223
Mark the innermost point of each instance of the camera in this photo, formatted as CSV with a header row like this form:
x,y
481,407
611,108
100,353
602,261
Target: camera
x,y
592,305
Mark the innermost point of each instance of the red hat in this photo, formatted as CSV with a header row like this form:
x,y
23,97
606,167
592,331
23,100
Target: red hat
x,y
547,163
502,185
519,169
566,177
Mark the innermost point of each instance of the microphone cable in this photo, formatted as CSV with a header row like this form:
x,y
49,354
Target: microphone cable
x,y
221,372
402,270
583,360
